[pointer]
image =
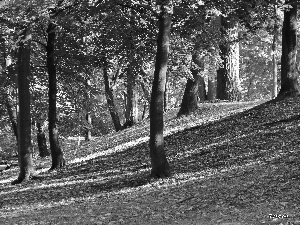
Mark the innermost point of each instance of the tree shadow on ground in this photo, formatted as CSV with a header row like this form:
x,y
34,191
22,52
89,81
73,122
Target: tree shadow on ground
x,y
232,141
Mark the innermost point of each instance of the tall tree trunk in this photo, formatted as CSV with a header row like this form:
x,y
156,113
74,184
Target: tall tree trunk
x,y
191,93
201,90
12,114
88,118
24,123
41,139
211,89
131,113
159,162
289,78
56,152
198,61
110,98
228,75
274,50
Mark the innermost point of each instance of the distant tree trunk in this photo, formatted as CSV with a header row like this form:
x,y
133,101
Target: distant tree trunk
x,y
211,89
190,100
41,139
88,133
159,162
201,90
12,114
88,118
191,93
274,50
146,92
110,98
56,152
289,78
228,75
5,68
131,114
198,60
144,111
24,123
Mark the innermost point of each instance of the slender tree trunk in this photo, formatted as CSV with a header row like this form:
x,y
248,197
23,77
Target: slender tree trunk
x,y
198,61
146,92
159,163
41,139
88,133
56,152
228,76
201,90
5,70
274,50
12,114
131,114
289,78
24,123
211,89
110,98
144,111
88,118
191,93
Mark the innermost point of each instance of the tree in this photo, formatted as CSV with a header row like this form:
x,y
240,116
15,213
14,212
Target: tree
x,y
159,163
191,93
41,139
24,120
56,152
274,50
110,97
289,79
131,113
228,75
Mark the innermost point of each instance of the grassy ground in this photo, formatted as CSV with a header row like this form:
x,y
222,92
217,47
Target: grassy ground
x,y
233,163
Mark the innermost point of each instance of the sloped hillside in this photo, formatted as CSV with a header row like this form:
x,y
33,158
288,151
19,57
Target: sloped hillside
x,y
233,163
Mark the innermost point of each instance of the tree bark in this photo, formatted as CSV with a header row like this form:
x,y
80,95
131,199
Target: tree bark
x,y
228,75
289,78
56,152
88,118
166,97
211,89
201,90
41,139
88,133
159,162
24,123
274,50
191,93
110,98
131,113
